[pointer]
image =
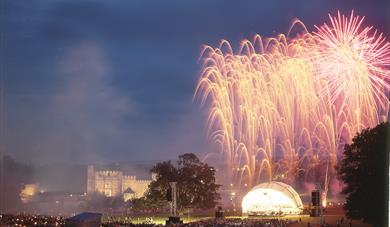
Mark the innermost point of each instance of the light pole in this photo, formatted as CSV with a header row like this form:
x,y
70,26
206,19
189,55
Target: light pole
x,y
233,199
173,218
173,203
322,220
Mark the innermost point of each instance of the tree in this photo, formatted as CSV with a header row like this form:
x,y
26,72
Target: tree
x,y
156,193
196,186
199,189
364,170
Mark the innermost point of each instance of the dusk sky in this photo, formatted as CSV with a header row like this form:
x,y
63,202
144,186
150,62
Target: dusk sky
x,y
93,81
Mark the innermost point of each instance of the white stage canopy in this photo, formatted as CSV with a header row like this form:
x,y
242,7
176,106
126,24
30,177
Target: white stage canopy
x,y
272,198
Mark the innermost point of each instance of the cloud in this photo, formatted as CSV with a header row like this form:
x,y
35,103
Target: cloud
x,y
86,113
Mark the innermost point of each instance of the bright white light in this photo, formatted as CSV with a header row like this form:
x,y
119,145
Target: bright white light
x,y
263,200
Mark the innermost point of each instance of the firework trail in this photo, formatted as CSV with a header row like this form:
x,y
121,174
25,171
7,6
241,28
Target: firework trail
x,y
284,107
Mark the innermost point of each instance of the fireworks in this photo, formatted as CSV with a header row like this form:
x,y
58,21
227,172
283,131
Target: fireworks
x,y
283,107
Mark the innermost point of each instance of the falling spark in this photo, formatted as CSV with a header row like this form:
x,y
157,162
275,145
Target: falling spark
x,y
284,107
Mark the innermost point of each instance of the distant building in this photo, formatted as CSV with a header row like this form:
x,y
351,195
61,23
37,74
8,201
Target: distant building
x,y
115,183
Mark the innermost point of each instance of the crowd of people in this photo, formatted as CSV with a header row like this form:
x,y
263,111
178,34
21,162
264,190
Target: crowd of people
x,y
40,220
216,223
30,220
240,222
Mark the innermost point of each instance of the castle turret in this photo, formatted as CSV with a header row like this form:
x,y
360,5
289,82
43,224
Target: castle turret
x,y
91,180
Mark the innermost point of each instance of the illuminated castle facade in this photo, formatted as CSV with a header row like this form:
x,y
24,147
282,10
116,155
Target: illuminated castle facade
x,y
115,183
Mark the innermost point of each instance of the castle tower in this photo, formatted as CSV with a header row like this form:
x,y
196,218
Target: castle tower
x,y
90,180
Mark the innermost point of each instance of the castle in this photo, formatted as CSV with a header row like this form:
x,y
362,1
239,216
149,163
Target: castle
x,y
115,183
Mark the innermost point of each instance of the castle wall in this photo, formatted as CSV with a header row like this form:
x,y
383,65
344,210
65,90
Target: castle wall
x,y
138,186
113,183
108,183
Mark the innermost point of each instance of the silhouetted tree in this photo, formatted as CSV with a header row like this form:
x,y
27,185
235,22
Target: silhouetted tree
x,y
156,194
364,169
195,183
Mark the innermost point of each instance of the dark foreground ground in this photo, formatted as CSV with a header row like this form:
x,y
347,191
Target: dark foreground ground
x,y
332,218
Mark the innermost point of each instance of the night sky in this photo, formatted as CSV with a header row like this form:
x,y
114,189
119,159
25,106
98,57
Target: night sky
x,y
102,81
